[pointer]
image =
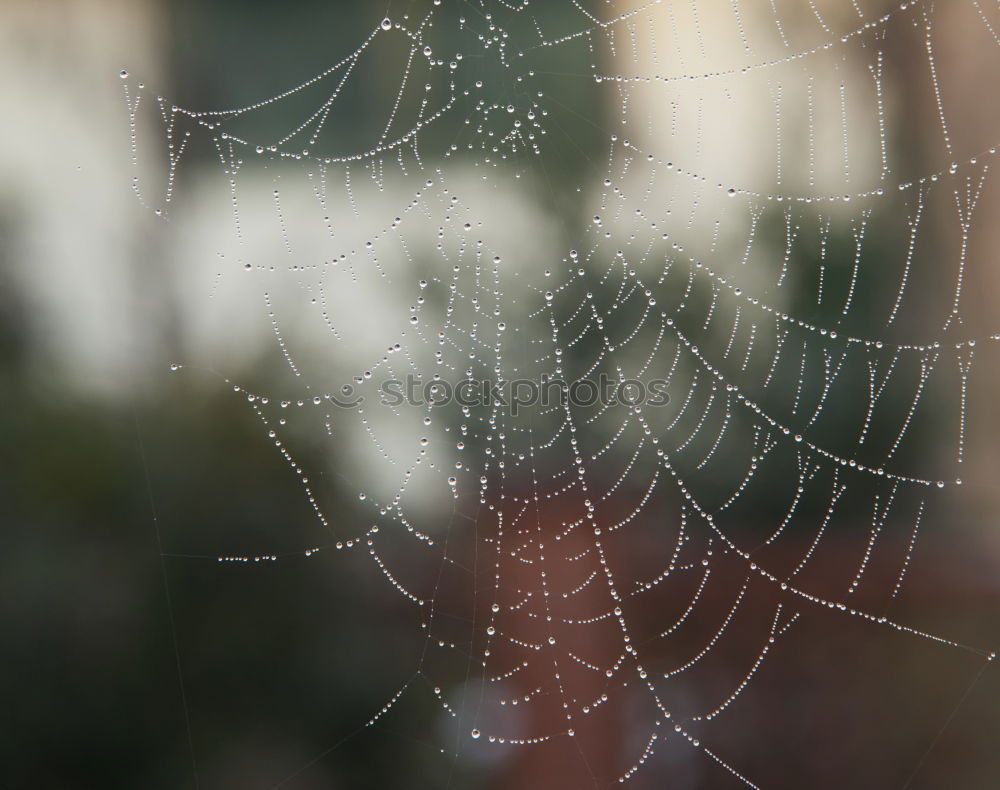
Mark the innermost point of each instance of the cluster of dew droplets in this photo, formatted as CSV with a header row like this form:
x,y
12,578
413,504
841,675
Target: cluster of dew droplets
x,y
754,386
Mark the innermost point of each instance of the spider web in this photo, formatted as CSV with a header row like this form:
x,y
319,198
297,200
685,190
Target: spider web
x,y
811,305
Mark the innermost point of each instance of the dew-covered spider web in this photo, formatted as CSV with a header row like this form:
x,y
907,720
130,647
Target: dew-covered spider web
x,y
775,210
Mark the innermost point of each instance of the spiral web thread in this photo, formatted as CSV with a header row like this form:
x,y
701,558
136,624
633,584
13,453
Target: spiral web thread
x,y
573,543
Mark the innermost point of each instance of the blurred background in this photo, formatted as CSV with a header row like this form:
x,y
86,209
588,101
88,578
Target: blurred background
x,y
126,663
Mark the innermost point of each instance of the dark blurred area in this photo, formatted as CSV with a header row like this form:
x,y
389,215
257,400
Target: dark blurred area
x,y
132,658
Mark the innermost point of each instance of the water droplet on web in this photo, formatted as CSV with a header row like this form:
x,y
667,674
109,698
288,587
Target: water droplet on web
x,y
643,197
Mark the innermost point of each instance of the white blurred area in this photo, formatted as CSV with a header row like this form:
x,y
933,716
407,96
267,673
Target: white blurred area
x,y
79,251
719,154
112,292
95,266
783,129
342,294
111,289
115,293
